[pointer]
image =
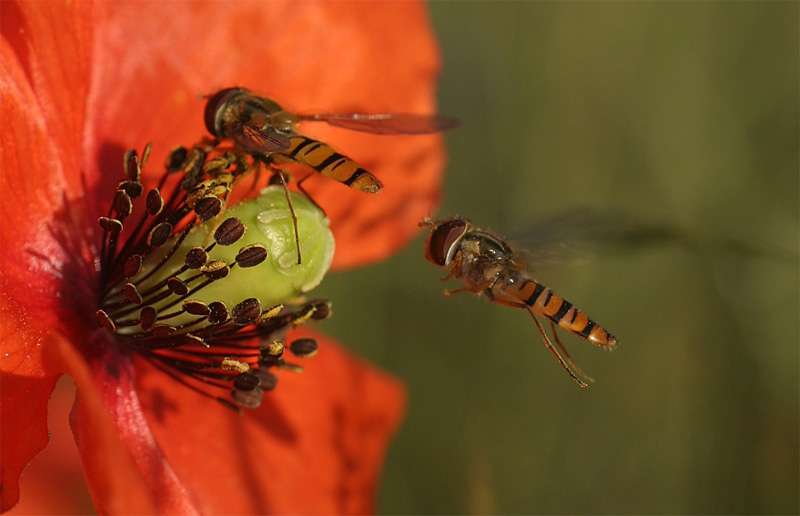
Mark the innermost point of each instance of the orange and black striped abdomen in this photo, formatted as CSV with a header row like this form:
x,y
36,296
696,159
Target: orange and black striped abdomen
x,y
545,302
322,158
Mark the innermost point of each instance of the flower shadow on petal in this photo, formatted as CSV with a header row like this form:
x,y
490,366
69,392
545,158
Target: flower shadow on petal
x,y
337,415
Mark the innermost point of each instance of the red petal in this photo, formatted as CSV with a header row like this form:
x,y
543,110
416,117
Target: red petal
x,y
315,446
54,482
125,467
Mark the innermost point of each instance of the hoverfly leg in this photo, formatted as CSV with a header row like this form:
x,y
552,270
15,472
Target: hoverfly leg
x,y
456,265
572,364
291,210
554,351
471,288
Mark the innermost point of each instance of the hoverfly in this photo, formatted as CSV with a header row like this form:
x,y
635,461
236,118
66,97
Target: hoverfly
x,y
492,267
261,128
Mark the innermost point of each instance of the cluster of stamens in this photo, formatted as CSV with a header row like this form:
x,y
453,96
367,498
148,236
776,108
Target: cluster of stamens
x,y
152,282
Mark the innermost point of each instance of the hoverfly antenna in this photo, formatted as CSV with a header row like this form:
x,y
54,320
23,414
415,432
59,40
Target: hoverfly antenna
x,y
426,221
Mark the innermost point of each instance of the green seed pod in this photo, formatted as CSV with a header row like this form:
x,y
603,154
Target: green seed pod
x,y
267,223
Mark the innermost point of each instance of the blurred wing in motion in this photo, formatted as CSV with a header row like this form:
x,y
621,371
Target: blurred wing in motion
x,y
582,233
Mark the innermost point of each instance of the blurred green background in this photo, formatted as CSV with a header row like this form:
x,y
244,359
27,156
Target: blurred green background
x,y
681,113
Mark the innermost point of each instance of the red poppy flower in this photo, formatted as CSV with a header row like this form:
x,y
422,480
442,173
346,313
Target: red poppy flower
x,y
81,82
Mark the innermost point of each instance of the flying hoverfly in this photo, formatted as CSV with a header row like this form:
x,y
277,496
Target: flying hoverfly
x,y
260,127
491,267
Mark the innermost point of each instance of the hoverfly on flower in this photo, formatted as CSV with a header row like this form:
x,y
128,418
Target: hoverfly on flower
x,y
261,128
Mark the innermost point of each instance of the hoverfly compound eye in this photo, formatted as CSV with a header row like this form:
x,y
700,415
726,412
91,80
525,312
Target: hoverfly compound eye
x,y
214,108
440,245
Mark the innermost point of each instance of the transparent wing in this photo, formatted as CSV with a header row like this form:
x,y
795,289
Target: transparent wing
x,y
580,234
387,123
252,139
570,236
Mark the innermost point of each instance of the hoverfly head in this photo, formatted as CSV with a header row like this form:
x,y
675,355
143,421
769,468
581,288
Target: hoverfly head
x,y
216,106
445,237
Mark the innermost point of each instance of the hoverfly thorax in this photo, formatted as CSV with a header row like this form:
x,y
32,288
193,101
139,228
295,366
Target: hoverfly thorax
x,y
487,246
283,121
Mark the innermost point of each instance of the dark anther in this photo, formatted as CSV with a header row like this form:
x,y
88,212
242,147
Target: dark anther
x,y
322,309
318,310
177,286
216,165
146,154
110,225
208,207
195,194
105,321
122,204
133,189
248,399
246,312
273,349
229,231
217,189
219,312
268,380
246,382
132,265
194,340
159,234
175,159
162,330
154,202
148,317
131,166
269,314
196,307
304,348
251,255
131,293
215,270
196,257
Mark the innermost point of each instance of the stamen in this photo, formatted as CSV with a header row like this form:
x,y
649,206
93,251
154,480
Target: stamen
x,y
165,293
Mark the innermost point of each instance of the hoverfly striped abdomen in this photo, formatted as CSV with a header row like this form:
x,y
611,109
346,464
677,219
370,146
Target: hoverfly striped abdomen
x,y
544,301
325,160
